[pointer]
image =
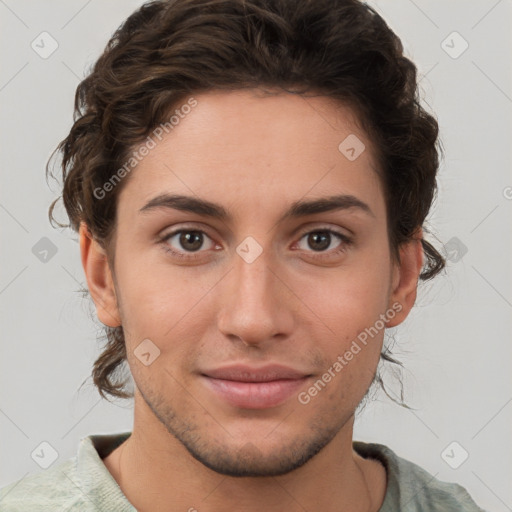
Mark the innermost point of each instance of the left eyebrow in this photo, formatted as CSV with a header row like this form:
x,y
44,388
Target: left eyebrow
x,y
296,210
326,204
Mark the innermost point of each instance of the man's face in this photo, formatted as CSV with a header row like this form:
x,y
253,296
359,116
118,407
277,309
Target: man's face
x,y
217,302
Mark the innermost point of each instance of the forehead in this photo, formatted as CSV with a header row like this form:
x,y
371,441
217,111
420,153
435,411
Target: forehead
x,y
258,152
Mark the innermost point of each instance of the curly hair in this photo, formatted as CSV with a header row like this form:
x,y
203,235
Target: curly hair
x,y
168,49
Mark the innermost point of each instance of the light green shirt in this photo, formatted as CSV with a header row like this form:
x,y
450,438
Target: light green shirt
x,y
84,483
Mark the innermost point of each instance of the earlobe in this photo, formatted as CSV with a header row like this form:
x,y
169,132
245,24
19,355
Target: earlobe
x,y
405,279
99,278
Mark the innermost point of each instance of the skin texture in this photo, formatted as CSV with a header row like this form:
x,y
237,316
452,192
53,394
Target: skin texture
x,y
255,155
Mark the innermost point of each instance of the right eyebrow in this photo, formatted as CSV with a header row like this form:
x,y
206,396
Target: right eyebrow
x,y
187,204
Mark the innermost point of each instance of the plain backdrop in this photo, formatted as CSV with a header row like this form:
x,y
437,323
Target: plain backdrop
x,y
456,344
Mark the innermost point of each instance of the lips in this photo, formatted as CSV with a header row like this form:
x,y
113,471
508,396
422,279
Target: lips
x,y
248,387
250,374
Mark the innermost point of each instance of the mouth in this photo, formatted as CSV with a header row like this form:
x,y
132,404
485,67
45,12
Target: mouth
x,y
254,388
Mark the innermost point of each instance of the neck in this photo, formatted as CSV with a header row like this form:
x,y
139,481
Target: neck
x,y
156,472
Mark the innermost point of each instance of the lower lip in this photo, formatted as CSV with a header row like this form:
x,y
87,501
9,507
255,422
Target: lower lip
x,y
255,395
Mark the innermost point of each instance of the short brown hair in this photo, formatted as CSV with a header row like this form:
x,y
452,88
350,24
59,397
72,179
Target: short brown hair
x,y
169,49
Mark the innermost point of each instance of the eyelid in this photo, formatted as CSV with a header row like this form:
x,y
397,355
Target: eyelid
x,y
168,232
312,229
299,232
345,239
323,226
344,242
179,254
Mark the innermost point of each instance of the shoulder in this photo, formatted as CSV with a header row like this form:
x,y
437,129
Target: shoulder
x,y
413,489
52,489
80,483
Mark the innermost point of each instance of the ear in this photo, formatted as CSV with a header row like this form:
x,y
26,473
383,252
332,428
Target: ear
x,y
405,278
99,278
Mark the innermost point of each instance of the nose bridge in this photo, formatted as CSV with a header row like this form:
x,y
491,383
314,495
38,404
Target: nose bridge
x,y
253,304
254,279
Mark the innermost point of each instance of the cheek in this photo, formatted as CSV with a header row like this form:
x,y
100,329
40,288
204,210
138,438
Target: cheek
x,y
352,299
351,306
339,390
157,300
351,356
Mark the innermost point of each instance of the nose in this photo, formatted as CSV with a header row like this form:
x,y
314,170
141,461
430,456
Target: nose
x,y
255,305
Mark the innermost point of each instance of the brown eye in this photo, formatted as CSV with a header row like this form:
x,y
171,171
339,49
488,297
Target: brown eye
x,y
319,240
187,241
327,243
191,240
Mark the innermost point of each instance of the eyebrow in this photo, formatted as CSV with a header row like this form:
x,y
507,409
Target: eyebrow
x,y
297,209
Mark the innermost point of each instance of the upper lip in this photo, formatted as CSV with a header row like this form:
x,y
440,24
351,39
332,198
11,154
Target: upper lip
x,y
245,373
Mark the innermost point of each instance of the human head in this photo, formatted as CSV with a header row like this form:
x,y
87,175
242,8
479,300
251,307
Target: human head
x,y
168,51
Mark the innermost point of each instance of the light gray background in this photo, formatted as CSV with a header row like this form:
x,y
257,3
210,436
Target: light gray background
x,y
456,344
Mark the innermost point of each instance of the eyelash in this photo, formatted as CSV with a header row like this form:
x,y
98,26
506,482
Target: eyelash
x,y
346,242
